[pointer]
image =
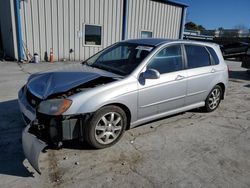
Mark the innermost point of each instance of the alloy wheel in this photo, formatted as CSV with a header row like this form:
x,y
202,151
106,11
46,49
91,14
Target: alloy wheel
x,y
214,99
108,128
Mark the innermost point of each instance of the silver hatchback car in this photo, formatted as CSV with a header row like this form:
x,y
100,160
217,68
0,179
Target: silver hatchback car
x,y
127,84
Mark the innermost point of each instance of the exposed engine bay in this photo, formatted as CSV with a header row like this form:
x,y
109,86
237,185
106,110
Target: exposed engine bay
x,y
53,129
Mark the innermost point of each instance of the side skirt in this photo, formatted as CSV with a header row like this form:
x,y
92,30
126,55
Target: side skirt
x,y
168,113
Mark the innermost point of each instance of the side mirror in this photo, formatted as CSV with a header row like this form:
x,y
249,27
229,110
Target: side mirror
x,y
151,74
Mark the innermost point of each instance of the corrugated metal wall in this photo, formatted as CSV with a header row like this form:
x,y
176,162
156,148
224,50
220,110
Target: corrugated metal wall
x,y
162,19
58,24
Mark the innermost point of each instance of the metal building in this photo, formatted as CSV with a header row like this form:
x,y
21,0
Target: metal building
x,y
76,29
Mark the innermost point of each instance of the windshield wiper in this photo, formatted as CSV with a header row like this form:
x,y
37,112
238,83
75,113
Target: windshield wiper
x,y
101,67
85,63
109,69
96,66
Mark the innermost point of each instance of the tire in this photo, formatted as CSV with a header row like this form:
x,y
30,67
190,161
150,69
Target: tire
x,y
106,127
213,99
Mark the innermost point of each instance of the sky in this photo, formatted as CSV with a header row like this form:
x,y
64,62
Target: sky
x,y
213,14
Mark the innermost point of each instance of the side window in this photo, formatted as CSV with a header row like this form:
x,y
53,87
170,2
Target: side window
x,y
167,60
197,56
214,55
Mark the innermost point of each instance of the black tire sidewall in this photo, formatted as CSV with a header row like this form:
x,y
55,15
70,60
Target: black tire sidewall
x,y
89,130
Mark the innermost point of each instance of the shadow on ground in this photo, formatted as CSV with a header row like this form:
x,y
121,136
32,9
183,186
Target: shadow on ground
x,y
11,154
240,75
248,85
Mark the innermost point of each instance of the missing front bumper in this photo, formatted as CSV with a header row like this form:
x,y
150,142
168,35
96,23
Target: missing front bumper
x,y
48,131
32,148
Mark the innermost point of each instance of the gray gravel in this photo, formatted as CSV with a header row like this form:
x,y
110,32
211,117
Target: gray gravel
x,y
192,149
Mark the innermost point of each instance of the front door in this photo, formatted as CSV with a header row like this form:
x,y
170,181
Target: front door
x,y
168,92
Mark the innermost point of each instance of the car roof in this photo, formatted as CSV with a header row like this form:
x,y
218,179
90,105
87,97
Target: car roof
x,y
149,41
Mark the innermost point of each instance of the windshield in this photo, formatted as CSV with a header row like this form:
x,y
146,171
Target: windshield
x,y
121,58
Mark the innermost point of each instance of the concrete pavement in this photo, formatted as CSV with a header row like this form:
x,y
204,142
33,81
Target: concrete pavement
x,y
192,149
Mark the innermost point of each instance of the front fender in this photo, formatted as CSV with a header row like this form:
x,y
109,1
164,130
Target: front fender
x,y
124,93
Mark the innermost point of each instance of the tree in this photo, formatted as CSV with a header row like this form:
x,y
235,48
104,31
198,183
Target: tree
x,y
190,26
243,30
220,28
194,26
241,27
200,28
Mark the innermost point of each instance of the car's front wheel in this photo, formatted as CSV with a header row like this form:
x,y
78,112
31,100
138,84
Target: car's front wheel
x,y
213,100
106,127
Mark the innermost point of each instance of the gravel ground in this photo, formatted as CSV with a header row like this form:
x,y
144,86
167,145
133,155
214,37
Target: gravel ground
x,y
192,149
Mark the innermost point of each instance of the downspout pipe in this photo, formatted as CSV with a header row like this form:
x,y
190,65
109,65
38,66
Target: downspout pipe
x,y
125,20
183,18
19,30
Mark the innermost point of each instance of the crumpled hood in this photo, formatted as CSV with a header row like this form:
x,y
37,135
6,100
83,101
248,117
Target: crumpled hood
x,y
45,84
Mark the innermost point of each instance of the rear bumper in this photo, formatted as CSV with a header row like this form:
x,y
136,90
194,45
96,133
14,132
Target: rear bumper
x,y
32,148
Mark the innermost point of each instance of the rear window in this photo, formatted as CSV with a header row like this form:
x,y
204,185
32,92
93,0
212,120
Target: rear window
x,y
197,56
214,55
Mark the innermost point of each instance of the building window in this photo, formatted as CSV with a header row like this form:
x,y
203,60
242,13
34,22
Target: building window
x,y
93,35
146,34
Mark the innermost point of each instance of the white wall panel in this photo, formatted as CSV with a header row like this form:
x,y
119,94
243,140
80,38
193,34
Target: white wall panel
x,y
72,31
59,24
163,19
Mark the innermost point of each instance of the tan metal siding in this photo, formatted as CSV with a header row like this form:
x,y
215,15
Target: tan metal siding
x,y
29,30
72,31
77,26
48,29
160,18
35,23
58,24
42,33
65,30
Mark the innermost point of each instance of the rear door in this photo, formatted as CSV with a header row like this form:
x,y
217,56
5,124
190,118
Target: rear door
x,y
200,73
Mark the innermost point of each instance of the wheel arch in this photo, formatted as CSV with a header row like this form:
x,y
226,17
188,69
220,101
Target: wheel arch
x,y
223,87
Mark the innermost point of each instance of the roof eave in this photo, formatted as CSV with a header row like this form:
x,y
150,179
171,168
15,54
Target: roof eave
x,y
175,3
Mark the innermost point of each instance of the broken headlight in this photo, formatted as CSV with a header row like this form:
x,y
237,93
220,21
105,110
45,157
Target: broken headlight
x,y
54,106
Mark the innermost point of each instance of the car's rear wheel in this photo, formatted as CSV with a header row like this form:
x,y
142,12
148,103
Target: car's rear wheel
x,y
106,127
213,99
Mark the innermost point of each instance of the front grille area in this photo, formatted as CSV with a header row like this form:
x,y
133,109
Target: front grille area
x,y
33,100
48,128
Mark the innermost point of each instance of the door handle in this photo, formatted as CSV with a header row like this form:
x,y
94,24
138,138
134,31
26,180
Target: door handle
x,y
179,77
213,70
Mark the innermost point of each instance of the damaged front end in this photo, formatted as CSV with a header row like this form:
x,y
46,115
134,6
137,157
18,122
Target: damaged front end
x,y
43,100
49,132
32,148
